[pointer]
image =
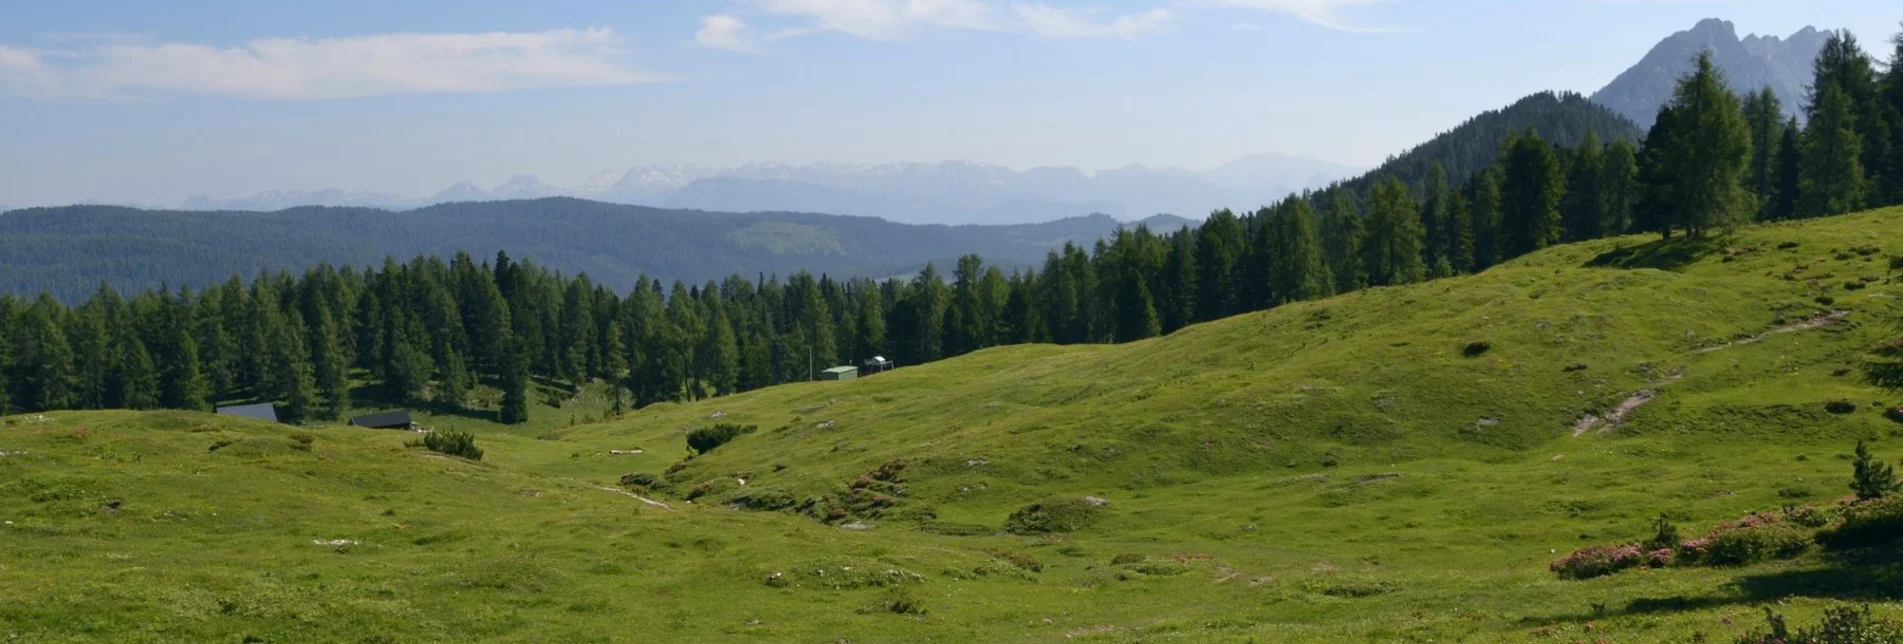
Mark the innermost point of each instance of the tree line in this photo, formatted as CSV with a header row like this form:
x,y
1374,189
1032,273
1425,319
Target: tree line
x,y
474,336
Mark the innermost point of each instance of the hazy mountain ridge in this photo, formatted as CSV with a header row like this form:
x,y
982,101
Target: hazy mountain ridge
x,y
952,192
1749,64
67,251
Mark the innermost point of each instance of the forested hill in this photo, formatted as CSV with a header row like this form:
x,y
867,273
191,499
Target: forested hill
x,y
1562,119
68,251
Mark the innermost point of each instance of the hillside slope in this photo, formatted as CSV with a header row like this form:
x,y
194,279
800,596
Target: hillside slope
x,y
1562,119
1391,465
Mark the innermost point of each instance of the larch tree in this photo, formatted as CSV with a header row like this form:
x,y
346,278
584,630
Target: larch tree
x,y
1832,180
1392,248
1531,189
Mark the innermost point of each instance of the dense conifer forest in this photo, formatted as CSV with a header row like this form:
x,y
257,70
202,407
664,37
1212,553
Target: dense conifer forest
x,y
471,334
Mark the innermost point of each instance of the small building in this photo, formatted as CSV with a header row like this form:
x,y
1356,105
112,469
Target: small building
x,y
262,411
840,373
394,419
878,364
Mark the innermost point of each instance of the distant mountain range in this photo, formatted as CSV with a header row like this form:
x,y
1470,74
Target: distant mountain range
x,y
68,251
950,192
1749,64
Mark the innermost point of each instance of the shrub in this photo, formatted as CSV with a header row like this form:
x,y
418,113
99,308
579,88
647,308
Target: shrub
x,y
1866,524
1840,625
1052,515
1746,546
1871,479
1666,536
642,480
1840,406
705,439
453,443
1023,561
1476,348
1598,561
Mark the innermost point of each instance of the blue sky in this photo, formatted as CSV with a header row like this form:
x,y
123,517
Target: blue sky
x,y
148,102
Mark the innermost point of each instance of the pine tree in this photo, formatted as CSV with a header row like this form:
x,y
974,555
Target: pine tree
x,y
1872,479
1298,269
1846,68
1434,214
1618,187
134,382
1179,273
92,356
1219,244
1581,211
1392,249
515,386
1890,174
1460,234
1704,160
1484,202
1764,114
964,323
46,376
720,353
1832,179
1790,174
1531,190
291,364
1342,234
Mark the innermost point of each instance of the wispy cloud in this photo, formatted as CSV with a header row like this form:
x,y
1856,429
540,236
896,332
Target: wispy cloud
x,y
723,31
1326,13
884,19
1045,21
326,68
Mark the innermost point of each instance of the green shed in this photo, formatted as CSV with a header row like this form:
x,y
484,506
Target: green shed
x,y
840,373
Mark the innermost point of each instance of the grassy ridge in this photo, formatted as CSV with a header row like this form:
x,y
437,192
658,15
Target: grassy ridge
x,y
1352,469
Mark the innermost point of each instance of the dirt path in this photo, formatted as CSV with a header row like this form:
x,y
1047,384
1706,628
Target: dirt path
x,y
643,499
1613,418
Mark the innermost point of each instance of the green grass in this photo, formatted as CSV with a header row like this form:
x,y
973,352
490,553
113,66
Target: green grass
x,y
1338,470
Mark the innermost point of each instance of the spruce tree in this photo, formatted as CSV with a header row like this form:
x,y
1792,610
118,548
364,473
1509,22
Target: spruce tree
x,y
1872,479
46,373
1618,188
1764,114
515,387
1581,211
1890,177
1531,189
1707,154
1484,202
1342,234
1179,272
134,382
1832,180
1844,66
1219,244
1790,173
1299,269
1460,234
1392,249
1434,209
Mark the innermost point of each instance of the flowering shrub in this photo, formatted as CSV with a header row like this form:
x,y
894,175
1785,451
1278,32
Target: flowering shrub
x,y
1756,544
1598,561
1871,523
1841,625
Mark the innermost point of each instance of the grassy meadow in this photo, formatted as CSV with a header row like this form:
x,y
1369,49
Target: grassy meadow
x,y
1392,465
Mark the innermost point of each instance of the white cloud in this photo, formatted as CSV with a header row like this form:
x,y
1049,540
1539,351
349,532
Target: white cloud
x,y
1045,21
884,19
1326,13
328,68
722,31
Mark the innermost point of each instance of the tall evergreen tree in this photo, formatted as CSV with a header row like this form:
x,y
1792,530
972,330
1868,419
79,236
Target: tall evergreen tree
x,y
1179,273
1703,162
1460,234
1832,179
1298,269
1342,233
1434,209
46,373
1531,189
1484,201
1844,66
1392,248
134,381
1618,188
1764,114
515,387
1582,213
1219,244
1790,173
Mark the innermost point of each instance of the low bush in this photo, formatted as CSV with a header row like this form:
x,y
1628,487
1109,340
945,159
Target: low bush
x,y
1599,561
1022,561
1052,515
453,443
643,480
1840,625
1746,546
1867,524
1840,407
705,439
1476,348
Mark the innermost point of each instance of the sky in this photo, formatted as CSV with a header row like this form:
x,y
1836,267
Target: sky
x,y
132,101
